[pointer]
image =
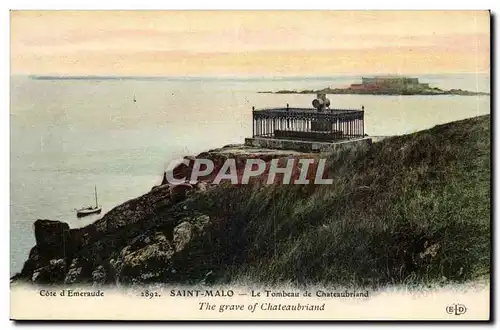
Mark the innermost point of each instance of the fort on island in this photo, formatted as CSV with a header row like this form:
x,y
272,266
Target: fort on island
x,y
390,84
385,85
307,129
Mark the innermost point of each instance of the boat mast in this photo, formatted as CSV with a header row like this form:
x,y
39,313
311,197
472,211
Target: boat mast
x,y
95,189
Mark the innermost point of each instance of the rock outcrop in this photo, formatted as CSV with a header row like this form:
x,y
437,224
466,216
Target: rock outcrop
x,y
157,237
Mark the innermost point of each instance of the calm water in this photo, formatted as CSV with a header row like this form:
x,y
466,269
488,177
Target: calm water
x,y
69,135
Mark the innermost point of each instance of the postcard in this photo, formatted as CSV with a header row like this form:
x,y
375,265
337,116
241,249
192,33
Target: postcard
x,y
250,165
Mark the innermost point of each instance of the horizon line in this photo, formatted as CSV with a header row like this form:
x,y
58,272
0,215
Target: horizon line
x,y
149,76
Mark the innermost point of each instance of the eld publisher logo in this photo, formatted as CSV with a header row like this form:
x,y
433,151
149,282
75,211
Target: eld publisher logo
x,y
457,309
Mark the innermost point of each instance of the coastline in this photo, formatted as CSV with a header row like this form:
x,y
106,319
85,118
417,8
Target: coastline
x,y
190,234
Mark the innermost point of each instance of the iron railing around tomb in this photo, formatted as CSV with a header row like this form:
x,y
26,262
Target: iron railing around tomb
x,y
308,124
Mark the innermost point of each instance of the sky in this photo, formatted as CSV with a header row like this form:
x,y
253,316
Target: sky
x,y
249,43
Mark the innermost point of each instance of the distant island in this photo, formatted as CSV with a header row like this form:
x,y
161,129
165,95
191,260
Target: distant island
x,y
385,86
93,77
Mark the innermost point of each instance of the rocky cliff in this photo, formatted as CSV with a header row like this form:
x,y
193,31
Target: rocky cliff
x,y
142,240
411,209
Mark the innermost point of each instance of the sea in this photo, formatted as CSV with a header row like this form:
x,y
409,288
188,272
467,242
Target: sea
x,y
69,136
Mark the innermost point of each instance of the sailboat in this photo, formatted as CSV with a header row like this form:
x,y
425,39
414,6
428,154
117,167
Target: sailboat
x,y
91,209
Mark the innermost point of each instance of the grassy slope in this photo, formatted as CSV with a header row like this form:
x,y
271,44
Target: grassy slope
x,y
409,210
